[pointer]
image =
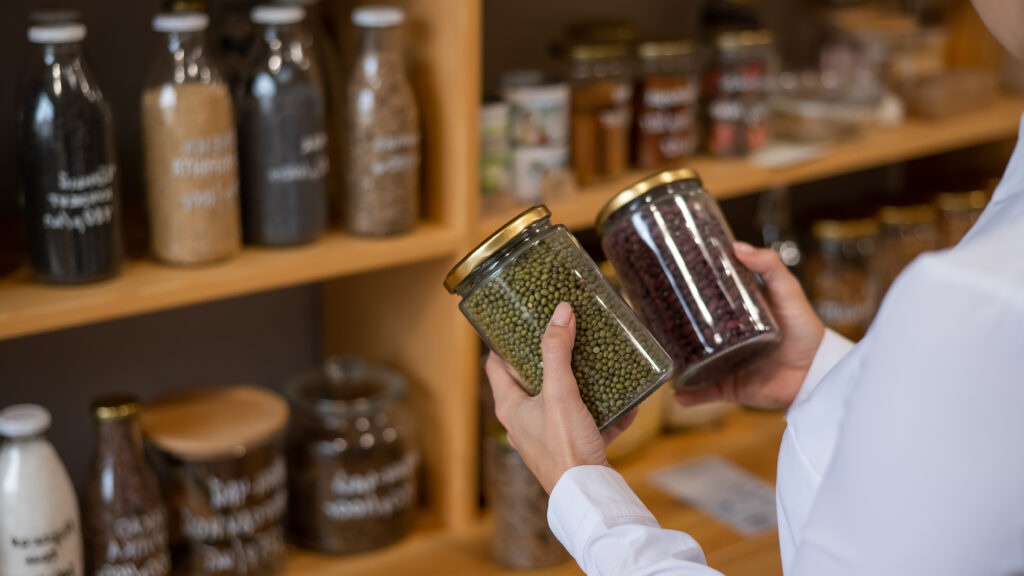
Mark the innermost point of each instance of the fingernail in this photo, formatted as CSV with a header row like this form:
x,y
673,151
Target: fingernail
x,y
562,314
743,247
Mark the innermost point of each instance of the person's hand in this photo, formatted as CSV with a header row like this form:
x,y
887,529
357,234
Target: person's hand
x,y
773,381
553,431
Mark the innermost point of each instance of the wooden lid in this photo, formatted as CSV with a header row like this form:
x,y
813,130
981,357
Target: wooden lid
x,y
210,422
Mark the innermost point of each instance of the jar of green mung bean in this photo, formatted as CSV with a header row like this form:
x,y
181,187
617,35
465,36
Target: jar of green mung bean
x,y
510,285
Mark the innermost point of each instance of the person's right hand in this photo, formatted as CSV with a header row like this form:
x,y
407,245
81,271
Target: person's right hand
x,y
774,381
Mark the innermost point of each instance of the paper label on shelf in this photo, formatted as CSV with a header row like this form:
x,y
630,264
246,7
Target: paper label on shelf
x,y
723,491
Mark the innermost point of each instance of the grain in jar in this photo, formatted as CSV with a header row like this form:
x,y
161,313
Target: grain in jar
x,y
665,103
601,110
736,106
958,211
842,275
907,231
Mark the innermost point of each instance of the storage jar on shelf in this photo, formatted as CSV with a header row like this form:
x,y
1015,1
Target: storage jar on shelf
x,y
958,211
665,102
842,276
907,231
736,92
601,110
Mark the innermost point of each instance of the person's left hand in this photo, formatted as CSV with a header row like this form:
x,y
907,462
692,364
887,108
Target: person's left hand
x,y
553,431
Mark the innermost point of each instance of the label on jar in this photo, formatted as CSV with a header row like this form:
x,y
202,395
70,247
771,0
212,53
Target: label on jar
x,y
81,202
311,166
665,120
380,493
50,553
137,547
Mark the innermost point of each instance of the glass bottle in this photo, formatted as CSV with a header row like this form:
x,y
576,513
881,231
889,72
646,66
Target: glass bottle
x,y
383,131
40,533
126,523
282,133
68,162
191,163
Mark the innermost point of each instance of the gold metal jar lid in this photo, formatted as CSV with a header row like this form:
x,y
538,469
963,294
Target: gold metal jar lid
x,y
665,49
492,244
640,188
907,215
844,229
740,39
115,406
597,51
961,201
606,31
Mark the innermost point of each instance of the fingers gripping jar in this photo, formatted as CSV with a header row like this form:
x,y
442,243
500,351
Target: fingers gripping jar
x,y
512,282
672,250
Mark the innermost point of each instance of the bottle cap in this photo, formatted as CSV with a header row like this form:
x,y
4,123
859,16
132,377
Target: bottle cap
x,y
63,33
277,14
379,16
180,22
22,420
115,406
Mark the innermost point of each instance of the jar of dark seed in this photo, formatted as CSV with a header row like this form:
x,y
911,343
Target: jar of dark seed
x,y
842,274
352,460
510,285
522,539
672,250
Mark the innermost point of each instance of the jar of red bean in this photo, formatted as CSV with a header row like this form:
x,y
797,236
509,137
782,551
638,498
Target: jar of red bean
x,y
672,250
667,89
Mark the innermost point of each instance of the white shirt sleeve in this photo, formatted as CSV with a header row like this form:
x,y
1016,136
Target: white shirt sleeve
x,y
831,350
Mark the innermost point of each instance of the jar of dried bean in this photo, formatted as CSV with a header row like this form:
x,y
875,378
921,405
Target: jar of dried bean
x,y
958,211
510,285
352,459
383,130
667,91
841,274
601,110
907,231
672,250
736,92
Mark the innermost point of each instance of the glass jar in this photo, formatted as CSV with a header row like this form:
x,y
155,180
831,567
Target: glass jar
x,y
907,231
666,103
126,526
71,192
282,117
601,108
522,539
672,250
191,164
736,92
352,458
219,454
841,274
958,211
383,130
510,285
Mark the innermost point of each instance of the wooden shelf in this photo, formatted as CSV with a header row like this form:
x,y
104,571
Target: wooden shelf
x,y
27,307
729,178
750,439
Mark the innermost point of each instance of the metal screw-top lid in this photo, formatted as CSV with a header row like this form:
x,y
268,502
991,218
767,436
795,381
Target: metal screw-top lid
x,y
180,22
493,243
277,14
740,39
597,51
906,215
60,33
640,188
665,49
379,16
115,406
23,420
844,229
961,201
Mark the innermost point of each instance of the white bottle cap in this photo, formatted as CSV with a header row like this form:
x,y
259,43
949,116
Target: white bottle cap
x,y
378,16
21,420
180,22
65,33
277,14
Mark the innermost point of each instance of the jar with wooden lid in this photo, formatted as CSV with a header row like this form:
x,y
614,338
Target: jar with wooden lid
x,y
958,211
352,457
672,251
601,110
666,97
907,231
219,455
510,285
841,274
736,92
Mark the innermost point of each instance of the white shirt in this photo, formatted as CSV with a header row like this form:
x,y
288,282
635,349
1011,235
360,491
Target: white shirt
x,y
903,454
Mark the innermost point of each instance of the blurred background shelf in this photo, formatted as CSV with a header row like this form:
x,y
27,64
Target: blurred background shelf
x,y
731,178
27,307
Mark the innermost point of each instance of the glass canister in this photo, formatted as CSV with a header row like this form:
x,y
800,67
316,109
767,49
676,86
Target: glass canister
x,y
68,158
191,163
736,92
842,276
219,454
522,539
510,285
601,107
907,231
352,458
383,130
665,103
672,250
958,211
282,149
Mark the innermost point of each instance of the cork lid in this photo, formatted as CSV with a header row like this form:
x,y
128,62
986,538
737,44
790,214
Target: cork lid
x,y
211,422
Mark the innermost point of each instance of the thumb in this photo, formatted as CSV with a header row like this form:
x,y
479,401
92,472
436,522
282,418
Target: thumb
x,y
556,351
781,284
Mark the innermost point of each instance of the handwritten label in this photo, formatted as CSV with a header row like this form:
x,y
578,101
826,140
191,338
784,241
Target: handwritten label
x,y
138,547
81,202
311,169
374,494
395,154
45,553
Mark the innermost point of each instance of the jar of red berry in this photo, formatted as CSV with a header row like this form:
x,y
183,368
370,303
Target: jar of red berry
x,y
736,92
672,250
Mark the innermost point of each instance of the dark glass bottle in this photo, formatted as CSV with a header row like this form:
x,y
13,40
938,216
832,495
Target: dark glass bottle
x,y
126,526
282,133
68,160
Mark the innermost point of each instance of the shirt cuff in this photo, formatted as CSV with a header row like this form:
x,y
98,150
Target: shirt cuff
x,y
832,349
590,499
